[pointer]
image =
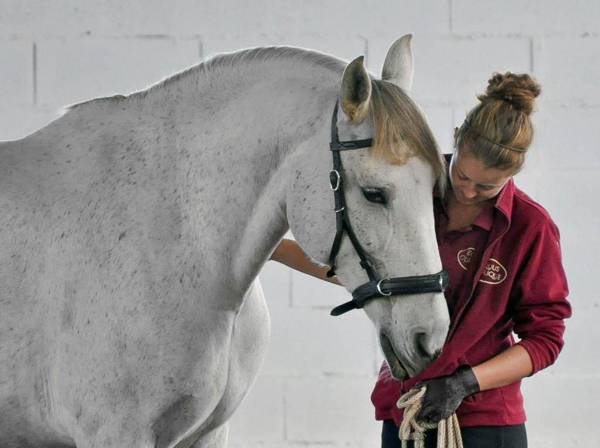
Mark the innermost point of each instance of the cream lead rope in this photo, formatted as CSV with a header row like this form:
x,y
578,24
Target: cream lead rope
x,y
448,430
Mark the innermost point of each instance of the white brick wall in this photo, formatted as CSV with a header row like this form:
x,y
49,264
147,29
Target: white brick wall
x,y
16,68
324,410
566,67
75,70
315,386
542,17
557,423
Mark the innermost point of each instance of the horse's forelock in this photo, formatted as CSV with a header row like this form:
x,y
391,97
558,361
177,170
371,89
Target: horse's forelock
x,y
401,131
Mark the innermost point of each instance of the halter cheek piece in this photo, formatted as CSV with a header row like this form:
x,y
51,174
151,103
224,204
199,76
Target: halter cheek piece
x,y
375,287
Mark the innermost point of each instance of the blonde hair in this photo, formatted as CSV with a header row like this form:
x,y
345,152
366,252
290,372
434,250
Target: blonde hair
x,y
498,131
400,130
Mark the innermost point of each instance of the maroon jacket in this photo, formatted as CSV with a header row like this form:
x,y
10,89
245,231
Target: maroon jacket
x,y
525,292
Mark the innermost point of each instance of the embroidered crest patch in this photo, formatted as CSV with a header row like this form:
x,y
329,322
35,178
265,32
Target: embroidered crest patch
x,y
494,273
465,256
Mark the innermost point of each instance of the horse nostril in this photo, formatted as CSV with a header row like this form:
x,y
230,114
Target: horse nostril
x,y
423,346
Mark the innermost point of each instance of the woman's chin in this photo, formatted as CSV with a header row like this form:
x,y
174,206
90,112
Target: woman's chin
x,y
462,199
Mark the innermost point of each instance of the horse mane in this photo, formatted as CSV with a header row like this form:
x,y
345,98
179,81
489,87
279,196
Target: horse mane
x,y
265,54
401,130
220,64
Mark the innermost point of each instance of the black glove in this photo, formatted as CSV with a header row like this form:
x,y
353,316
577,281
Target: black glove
x,y
446,393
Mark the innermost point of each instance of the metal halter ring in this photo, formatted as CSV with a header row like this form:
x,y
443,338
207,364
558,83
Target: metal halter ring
x,y
334,186
379,288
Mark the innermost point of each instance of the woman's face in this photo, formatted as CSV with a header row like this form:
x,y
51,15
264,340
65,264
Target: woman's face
x,y
472,182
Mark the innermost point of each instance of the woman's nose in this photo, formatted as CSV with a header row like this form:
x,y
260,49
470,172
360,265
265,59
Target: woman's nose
x,y
469,192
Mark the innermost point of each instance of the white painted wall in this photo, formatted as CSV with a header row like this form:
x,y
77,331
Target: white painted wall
x,y
315,386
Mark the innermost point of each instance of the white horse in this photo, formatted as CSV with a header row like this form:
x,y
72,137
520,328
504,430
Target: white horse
x,y
133,229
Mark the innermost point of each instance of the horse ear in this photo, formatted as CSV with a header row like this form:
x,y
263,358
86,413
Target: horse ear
x,y
398,65
356,90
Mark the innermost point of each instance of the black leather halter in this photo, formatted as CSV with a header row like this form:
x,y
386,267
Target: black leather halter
x,y
375,287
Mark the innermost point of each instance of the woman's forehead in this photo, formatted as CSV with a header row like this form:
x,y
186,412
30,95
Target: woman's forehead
x,y
476,170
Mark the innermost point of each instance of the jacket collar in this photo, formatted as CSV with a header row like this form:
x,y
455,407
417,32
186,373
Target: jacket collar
x,y
505,199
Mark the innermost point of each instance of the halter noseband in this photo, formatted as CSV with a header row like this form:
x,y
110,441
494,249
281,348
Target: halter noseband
x,y
375,287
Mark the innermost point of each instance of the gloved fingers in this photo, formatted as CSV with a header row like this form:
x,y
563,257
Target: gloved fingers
x,y
433,412
429,414
432,397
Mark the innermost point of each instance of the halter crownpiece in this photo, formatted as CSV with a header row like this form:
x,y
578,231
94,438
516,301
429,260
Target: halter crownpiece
x,y
376,287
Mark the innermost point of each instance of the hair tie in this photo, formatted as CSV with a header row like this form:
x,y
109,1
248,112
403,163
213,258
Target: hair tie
x,y
480,135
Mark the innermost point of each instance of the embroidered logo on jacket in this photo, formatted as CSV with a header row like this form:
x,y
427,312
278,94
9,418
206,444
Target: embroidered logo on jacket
x,y
493,273
464,257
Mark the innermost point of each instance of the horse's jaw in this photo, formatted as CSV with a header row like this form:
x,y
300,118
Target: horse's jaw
x,y
397,367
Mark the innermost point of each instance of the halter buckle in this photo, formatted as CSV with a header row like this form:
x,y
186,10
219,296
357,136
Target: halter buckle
x,y
379,288
335,180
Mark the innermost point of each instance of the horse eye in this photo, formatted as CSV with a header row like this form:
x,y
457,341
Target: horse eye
x,y
374,195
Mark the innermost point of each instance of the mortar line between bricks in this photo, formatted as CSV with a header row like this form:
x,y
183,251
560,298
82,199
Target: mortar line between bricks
x,y
34,74
284,398
532,54
290,289
320,375
376,365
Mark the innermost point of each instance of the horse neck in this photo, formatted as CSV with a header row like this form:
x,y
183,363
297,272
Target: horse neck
x,y
241,163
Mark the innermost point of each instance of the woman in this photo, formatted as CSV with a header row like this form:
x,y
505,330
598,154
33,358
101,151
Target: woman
x,y
502,251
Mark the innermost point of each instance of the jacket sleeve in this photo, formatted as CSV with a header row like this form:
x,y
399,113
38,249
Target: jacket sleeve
x,y
540,298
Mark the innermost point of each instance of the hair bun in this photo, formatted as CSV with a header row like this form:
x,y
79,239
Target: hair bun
x,y
518,90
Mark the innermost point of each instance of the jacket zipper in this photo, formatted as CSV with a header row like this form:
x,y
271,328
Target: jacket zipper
x,y
485,259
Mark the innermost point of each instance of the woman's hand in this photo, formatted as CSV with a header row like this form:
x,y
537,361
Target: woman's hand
x,y
289,253
446,393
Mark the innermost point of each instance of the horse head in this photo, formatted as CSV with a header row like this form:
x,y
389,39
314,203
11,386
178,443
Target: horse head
x,y
385,211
